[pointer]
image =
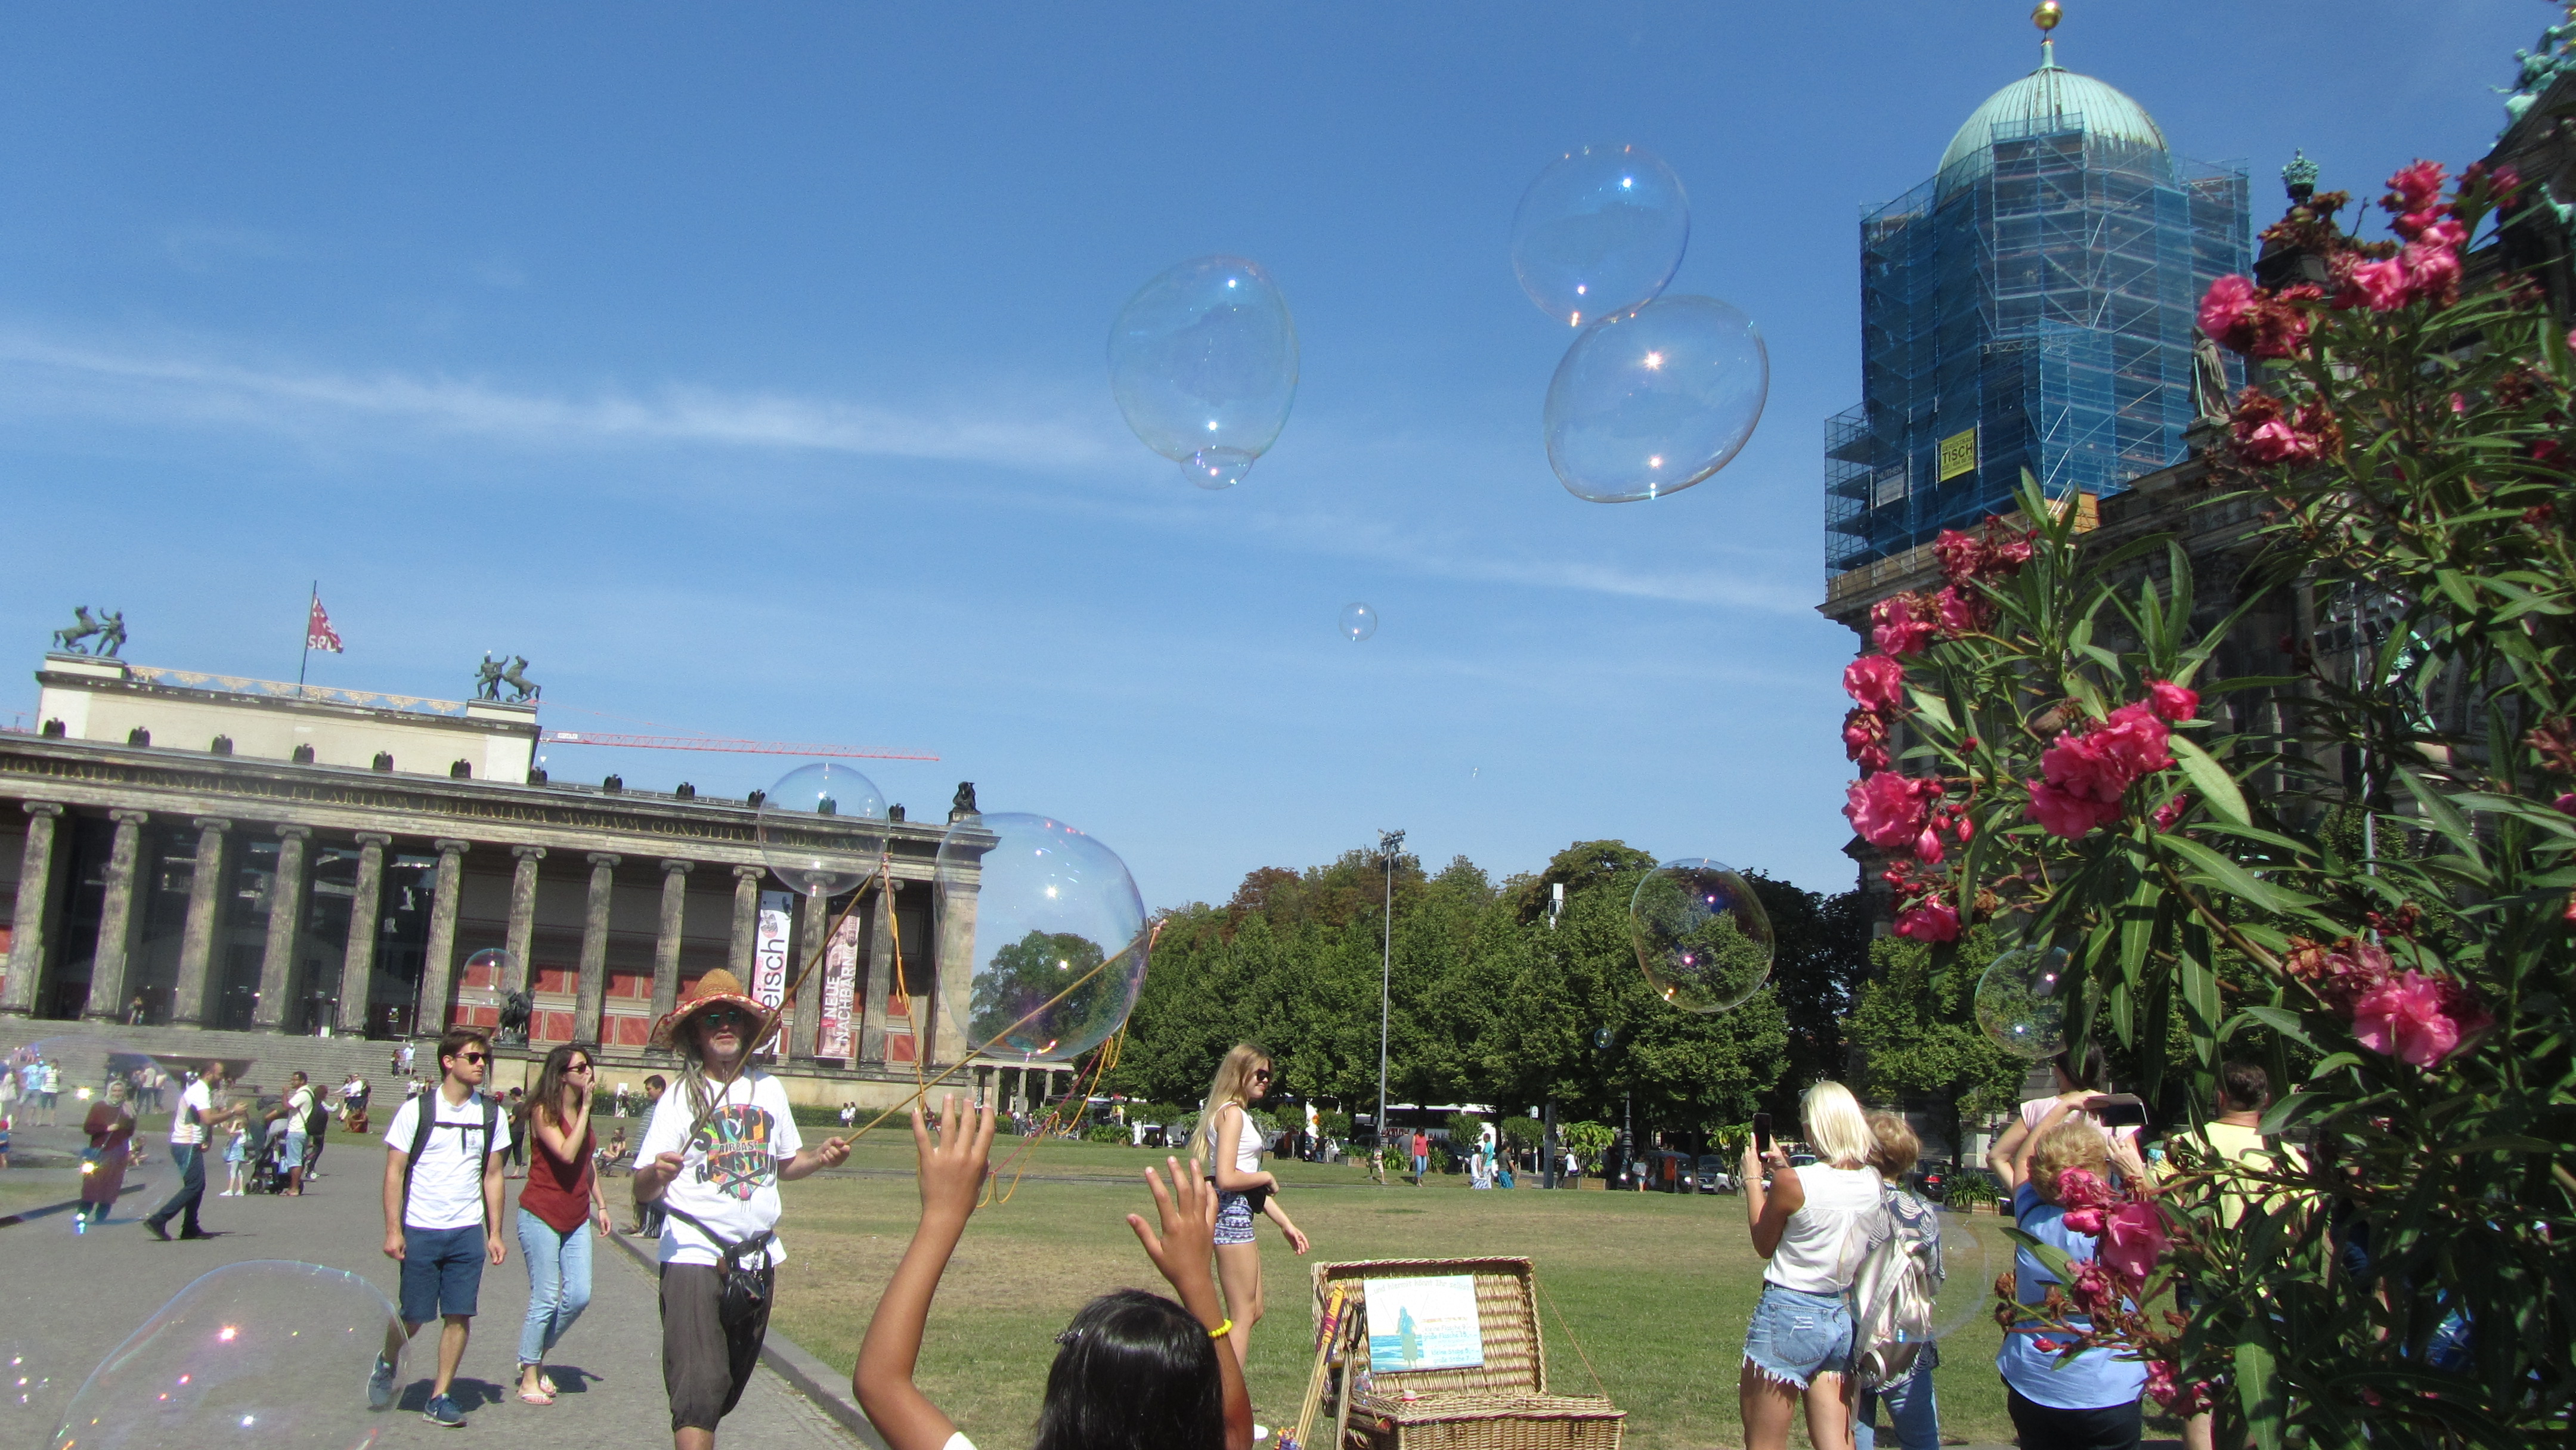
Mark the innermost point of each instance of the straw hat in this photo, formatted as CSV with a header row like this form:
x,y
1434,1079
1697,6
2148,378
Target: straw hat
x,y
718,988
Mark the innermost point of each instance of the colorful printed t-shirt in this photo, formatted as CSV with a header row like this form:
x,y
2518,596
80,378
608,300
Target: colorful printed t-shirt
x,y
729,1169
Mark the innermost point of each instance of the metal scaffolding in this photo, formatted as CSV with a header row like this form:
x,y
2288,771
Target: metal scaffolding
x,y
2032,307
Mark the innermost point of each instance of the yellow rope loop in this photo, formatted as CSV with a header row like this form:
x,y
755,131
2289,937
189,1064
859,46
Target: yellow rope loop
x,y
1597,1386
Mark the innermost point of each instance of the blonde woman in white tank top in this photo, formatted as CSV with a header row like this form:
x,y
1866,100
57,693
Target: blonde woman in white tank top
x,y
1812,1224
1226,1147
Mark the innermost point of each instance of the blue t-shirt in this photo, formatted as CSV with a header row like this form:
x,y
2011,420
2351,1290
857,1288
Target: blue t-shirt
x,y
2093,1380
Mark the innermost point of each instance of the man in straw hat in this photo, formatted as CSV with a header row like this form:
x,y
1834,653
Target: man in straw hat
x,y
713,1155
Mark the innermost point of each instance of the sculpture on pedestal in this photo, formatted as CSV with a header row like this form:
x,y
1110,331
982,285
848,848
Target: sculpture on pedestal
x,y
964,804
107,631
491,675
516,1009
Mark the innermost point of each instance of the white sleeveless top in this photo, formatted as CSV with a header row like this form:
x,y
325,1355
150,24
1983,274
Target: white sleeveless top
x,y
1819,1252
1247,1143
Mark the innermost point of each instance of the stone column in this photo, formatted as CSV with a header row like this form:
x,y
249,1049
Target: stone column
x,y
28,936
197,937
523,917
880,968
952,989
592,990
746,919
666,942
438,970
814,920
285,932
116,921
358,967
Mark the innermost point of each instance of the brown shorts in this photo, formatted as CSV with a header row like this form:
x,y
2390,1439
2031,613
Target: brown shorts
x,y
704,1366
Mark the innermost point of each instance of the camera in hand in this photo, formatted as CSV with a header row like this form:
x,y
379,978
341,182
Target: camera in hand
x,y
2117,1110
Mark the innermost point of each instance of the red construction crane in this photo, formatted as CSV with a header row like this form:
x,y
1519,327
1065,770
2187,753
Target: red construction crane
x,y
720,745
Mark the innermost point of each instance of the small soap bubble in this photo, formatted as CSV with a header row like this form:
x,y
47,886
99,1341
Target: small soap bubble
x,y
1358,622
1599,232
1060,934
1203,363
2021,1001
1701,935
265,1353
1650,402
822,828
493,967
1972,1252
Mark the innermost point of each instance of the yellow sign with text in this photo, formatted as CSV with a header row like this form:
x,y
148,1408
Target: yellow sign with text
x,y
1958,454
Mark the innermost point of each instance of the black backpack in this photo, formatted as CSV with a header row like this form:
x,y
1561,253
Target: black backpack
x,y
316,1118
427,1123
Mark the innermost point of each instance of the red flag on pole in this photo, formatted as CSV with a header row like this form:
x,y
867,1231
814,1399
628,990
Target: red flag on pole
x,y
318,633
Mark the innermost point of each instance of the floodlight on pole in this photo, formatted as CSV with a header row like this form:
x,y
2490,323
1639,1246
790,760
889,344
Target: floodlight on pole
x,y
1387,842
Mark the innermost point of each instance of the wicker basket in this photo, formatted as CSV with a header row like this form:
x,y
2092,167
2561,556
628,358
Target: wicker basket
x,y
1502,1404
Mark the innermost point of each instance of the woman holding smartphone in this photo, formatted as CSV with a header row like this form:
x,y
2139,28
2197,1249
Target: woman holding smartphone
x,y
1804,1222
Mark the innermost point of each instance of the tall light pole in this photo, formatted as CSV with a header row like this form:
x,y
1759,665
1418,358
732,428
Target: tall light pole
x,y
1387,841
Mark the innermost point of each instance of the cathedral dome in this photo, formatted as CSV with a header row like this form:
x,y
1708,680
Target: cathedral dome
x,y
2046,99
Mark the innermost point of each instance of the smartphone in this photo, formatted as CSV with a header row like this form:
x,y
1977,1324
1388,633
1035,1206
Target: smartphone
x,y
1761,1134
2117,1110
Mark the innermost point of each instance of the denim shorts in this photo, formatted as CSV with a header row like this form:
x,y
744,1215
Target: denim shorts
x,y
442,1271
1794,1337
1233,1218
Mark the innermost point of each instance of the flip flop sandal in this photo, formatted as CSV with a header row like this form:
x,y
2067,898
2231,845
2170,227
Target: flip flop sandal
x,y
546,1382
540,1397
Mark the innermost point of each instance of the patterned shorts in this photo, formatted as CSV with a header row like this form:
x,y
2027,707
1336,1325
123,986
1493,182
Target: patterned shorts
x,y
1233,1218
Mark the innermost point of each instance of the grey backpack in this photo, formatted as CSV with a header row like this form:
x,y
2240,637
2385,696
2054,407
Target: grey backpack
x,y
1893,1295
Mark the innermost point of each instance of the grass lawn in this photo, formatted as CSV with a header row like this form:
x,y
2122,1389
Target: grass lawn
x,y
1655,1289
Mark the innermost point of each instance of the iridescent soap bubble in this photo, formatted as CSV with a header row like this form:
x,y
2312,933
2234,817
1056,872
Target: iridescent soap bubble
x,y
1650,402
266,1353
1701,935
1060,940
89,1062
1601,231
31,1393
1203,363
1358,622
822,828
2021,1000
498,966
1972,1251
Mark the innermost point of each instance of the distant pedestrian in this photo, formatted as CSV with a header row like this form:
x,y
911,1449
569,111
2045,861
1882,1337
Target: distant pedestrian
x,y
1421,1156
189,1126
236,1161
713,1157
1226,1149
134,1011
110,1126
404,1061
648,1216
297,1111
517,1159
443,1213
561,1201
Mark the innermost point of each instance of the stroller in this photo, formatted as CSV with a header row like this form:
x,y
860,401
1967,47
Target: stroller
x,y
264,1149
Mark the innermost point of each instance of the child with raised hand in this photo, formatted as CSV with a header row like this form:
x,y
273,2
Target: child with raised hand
x,y
1135,1371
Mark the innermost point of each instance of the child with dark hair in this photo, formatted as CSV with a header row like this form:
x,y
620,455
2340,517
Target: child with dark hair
x,y
1135,1371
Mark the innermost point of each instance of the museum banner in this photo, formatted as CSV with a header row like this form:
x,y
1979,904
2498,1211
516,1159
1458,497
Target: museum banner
x,y
769,952
840,986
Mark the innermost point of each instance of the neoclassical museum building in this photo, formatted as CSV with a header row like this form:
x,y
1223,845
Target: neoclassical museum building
x,y
191,861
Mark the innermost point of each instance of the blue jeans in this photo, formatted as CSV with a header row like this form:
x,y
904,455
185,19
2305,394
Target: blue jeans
x,y
190,1160
558,1283
1909,1407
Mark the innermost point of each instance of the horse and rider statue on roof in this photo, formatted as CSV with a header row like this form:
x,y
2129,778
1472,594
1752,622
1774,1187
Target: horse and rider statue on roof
x,y
492,674
106,633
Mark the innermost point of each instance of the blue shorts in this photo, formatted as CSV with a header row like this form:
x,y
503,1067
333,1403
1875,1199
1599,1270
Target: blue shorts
x,y
1233,1218
1794,1337
442,1271
295,1150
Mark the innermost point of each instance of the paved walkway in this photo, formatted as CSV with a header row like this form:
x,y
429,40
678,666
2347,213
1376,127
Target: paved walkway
x,y
67,1300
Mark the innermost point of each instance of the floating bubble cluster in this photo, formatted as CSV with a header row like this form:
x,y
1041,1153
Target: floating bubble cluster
x,y
2021,1001
266,1353
822,828
1060,940
1601,231
1701,935
1650,402
1203,363
1358,622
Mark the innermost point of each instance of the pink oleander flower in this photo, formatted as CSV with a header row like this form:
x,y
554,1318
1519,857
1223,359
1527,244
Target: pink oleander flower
x,y
2133,1238
1929,920
1961,611
1875,681
2085,1221
2171,811
1889,810
2566,803
2416,188
2091,1287
2171,701
1927,847
2224,309
2083,1188
1901,625
1865,739
2379,286
2278,442
2432,271
2064,813
2165,1387
2417,1019
2342,974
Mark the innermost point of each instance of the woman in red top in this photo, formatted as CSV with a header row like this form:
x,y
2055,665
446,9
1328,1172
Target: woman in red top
x,y
110,1126
560,1200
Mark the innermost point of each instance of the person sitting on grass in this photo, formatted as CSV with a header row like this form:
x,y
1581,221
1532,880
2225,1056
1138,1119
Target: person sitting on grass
x,y
1135,1370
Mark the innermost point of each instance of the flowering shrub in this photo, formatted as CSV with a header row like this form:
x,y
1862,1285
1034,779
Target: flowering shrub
x,y
2044,747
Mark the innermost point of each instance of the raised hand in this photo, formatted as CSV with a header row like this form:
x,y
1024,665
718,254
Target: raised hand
x,y
953,1166
1183,1248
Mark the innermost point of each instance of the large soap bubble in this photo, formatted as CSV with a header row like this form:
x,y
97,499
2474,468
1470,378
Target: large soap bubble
x,y
822,828
266,1353
1601,231
1972,1252
1650,402
1701,935
1359,622
88,1063
1203,362
1059,934
2021,1000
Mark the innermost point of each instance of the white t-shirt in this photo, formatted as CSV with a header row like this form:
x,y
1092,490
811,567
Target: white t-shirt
x,y
299,1107
729,1171
185,1129
447,1182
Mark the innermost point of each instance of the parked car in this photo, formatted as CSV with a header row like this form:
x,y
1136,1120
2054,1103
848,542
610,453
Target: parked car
x,y
1933,1181
1665,1171
1713,1175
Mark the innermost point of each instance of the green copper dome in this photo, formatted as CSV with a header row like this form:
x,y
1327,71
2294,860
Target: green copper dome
x,y
2048,94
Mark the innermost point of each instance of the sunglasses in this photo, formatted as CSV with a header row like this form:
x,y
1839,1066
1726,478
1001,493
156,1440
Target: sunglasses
x,y
473,1057
729,1017
1261,1074
577,1067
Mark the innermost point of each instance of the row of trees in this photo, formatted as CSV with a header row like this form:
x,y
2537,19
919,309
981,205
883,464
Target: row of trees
x,y
1491,1002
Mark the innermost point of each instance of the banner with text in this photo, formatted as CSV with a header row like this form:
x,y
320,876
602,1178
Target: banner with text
x,y
769,952
840,986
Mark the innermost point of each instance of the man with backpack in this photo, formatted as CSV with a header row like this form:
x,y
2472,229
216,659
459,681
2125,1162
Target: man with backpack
x,y
443,1213
301,1111
712,1157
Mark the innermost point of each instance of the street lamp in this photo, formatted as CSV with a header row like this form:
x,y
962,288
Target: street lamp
x,y
1387,841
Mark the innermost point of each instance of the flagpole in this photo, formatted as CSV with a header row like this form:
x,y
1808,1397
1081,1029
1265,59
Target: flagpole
x,y
307,657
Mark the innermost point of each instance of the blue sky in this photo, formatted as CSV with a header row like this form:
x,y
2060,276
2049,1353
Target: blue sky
x,y
742,367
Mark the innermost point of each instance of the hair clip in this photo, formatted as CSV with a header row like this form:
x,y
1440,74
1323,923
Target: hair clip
x,y
1070,1336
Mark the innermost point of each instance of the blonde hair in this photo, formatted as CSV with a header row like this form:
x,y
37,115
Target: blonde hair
x,y
1228,1087
2068,1145
1836,1128
1896,1146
